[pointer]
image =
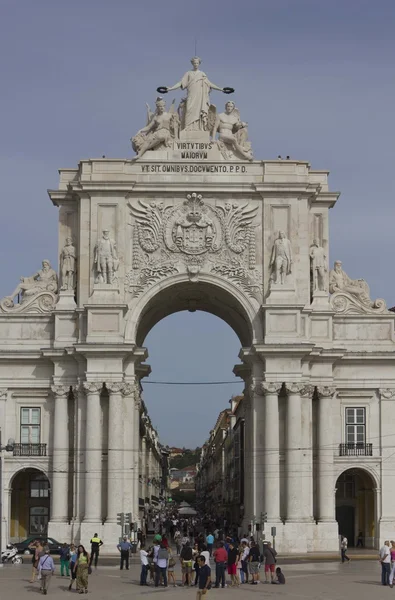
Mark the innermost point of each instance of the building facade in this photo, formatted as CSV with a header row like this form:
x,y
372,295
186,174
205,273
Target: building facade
x,y
195,223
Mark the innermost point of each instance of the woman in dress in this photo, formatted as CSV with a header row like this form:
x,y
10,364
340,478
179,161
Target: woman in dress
x,y
82,566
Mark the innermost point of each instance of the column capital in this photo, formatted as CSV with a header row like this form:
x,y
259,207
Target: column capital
x,y
92,387
114,387
60,391
303,389
3,394
255,386
387,393
269,387
128,389
326,391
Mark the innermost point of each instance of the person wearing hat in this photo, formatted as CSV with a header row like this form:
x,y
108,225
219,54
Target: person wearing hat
x,y
124,548
95,545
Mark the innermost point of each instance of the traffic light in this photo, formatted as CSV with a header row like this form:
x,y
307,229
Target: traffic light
x,y
128,518
120,519
264,517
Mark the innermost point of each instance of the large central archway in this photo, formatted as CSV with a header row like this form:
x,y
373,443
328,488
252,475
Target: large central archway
x,y
209,294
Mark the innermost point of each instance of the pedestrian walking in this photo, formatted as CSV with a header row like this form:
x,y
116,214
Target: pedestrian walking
x,y
73,570
385,560
253,560
37,553
144,565
96,542
360,540
177,541
210,543
46,568
83,569
343,548
204,578
64,560
161,565
170,567
195,554
124,548
220,558
269,556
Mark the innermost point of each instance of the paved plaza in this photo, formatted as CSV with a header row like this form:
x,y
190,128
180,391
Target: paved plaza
x,y
319,580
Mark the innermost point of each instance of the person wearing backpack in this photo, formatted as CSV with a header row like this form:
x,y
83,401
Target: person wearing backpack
x,y
186,562
161,565
64,560
269,555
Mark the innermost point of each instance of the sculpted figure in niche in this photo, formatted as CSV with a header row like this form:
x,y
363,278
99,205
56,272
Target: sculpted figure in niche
x,y
318,266
45,279
232,133
281,259
67,265
196,106
161,128
105,259
339,281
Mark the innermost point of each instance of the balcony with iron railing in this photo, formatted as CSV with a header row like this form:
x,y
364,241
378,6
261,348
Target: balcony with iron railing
x,y
30,450
353,449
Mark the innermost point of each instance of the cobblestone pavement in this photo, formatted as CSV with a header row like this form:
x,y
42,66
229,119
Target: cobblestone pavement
x,y
317,581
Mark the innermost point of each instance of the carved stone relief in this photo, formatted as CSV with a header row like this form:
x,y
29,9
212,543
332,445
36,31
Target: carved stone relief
x,y
37,294
352,296
191,236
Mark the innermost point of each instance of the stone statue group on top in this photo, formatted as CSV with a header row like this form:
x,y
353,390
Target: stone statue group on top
x,y
195,113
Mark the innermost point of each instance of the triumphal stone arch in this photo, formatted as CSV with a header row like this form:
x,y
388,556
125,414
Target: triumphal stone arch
x,y
195,221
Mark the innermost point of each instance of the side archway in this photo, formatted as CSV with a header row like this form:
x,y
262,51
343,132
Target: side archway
x,y
356,507
209,294
30,504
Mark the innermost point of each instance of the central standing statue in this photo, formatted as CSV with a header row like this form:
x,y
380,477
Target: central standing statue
x,y
196,107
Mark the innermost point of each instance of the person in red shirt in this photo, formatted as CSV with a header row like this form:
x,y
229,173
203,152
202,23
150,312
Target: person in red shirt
x,y
220,558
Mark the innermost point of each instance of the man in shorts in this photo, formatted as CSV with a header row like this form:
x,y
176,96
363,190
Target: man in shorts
x,y
186,564
269,556
204,577
233,559
253,558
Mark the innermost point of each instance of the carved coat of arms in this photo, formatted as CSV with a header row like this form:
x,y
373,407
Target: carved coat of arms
x,y
195,234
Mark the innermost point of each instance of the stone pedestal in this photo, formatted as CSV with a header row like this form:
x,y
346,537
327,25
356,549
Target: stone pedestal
x,y
66,300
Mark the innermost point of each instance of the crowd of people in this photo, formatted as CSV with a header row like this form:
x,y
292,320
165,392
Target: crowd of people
x,y
241,559
75,564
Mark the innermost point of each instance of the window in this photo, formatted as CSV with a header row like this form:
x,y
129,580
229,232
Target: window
x,y
30,425
39,487
346,486
355,426
39,516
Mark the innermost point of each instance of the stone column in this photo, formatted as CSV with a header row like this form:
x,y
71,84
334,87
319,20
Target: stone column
x,y
256,456
137,408
128,435
144,470
60,477
294,445
93,452
307,453
325,464
115,451
271,460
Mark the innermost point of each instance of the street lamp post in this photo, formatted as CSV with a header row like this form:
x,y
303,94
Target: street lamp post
x,y
8,448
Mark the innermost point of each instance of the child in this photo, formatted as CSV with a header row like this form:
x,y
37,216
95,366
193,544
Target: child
x,y
280,579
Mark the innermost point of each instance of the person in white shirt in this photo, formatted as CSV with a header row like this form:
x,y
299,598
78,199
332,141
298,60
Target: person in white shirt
x,y
343,548
144,566
206,555
385,559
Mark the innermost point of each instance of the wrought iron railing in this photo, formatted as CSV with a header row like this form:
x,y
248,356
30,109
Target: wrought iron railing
x,y
355,449
30,450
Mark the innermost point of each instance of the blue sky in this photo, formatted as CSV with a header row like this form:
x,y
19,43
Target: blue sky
x,y
314,79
